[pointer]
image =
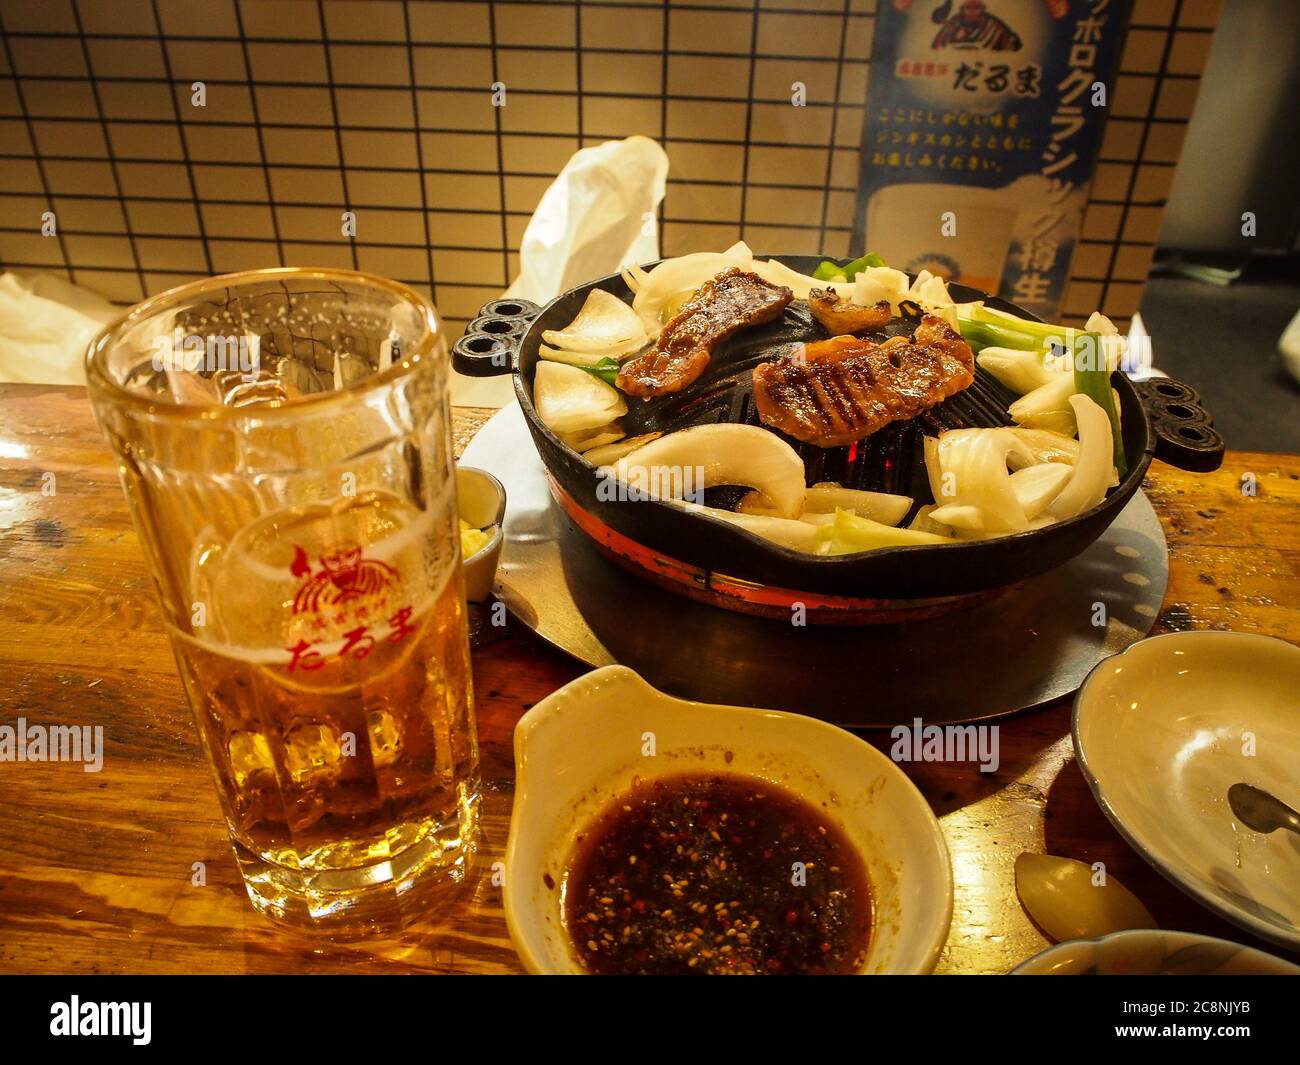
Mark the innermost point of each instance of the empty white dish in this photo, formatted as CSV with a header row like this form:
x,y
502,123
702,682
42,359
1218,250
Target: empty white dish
x,y
582,746
1153,952
1161,732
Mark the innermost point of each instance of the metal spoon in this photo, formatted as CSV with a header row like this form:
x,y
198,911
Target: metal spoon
x,y
1260,811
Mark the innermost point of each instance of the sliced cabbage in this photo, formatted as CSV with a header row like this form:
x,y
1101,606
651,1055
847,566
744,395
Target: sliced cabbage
x,y
605,325
849,534
691,460
569,400
1094,471
611,453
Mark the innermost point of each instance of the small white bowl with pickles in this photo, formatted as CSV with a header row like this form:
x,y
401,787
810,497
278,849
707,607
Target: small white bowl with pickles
x,y
481,503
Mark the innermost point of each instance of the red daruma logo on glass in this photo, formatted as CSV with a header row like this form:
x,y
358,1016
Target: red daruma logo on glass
x,y
349,596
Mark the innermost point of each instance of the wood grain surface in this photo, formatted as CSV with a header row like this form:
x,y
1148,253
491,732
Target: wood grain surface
x,y
96,868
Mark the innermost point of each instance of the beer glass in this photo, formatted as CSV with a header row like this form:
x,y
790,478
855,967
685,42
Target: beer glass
x,y
284,440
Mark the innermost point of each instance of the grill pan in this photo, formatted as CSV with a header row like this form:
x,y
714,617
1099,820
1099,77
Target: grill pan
x,y
1161,418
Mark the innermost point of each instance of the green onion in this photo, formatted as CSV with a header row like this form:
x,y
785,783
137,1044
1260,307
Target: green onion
x,y
606,369
829,271
1092,379
986,328
981,335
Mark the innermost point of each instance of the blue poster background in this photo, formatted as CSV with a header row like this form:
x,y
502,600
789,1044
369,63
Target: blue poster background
x,y
983,126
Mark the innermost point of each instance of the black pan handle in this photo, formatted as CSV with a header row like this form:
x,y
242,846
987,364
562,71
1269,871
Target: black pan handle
x,y
1184,429
491,341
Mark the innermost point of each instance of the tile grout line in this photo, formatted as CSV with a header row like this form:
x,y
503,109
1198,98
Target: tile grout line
x,y
110,154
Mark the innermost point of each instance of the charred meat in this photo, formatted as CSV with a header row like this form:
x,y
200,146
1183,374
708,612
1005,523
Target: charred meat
x,y
840,316
836,391
723,305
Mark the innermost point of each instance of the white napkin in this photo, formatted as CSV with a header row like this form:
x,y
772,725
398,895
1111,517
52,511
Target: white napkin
x,y
45,325
597,217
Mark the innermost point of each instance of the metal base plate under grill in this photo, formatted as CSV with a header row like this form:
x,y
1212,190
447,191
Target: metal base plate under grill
x,y
1024,648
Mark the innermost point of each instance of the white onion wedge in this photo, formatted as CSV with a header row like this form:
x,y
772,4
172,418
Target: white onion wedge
x,y
1094,471
686,272
611,453
1070,900
961,518
1021,371
1037,486
796,535
775,273
934,472
924,522
973,465
604,323
586,439
569,400
826,498
1045,446
1047,407
708,455
848,534
883,507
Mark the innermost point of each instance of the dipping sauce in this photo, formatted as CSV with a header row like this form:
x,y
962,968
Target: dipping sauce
x,y
714,873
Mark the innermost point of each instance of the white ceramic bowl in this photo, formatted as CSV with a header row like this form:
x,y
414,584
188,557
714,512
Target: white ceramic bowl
x,y
1161,732
481,501
581,746
1152,952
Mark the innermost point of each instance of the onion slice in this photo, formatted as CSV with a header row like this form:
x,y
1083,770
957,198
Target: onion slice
x,y
569,400
826,497
604,325
690,460
1036,486
1094,471
796,535
611,453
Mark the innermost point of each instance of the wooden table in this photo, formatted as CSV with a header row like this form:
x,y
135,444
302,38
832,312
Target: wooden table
x,y
96,869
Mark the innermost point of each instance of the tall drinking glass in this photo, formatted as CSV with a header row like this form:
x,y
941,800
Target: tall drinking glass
x,y
284,440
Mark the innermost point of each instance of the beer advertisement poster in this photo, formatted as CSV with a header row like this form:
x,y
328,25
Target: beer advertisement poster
x,y
984,120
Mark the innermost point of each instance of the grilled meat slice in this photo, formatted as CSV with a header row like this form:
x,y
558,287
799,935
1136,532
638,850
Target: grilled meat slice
x,y
723,305
841,316
837,391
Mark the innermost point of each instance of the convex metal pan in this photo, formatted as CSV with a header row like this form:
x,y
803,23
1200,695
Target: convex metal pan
x,y
1161,418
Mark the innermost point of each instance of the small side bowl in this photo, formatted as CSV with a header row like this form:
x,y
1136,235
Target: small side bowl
x,y
481,501
1152,952
1163,729
580,747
